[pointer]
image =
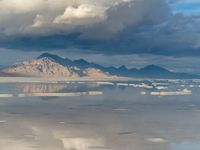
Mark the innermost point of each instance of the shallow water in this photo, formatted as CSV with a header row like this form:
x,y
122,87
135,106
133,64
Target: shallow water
x,y
116,116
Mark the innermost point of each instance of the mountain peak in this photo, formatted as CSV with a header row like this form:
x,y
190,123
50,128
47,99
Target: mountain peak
x,y
42,67
48,55
56,58
154,68
123,67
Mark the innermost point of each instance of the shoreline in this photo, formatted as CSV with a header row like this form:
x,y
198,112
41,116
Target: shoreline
x,y
83,79
57,80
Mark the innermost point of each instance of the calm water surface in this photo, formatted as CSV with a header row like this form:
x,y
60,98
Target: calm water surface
x,y
100,116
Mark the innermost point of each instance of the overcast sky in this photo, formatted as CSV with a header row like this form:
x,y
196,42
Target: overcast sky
x,y
110,32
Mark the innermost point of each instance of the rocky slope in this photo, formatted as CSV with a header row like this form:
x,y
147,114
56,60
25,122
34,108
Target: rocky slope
x,y
47,67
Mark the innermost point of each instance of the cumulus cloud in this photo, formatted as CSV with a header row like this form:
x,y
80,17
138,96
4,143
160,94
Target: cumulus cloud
x,y
110,27
130,14
82,143
83,14
22,17
38,21
29,17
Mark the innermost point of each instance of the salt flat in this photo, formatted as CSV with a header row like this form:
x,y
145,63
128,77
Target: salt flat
x,y
108,115
55,80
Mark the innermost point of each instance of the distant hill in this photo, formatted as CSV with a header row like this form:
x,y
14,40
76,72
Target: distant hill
x,y
49,65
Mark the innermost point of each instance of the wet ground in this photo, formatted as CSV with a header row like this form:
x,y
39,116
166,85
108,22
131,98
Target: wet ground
x,y
100,115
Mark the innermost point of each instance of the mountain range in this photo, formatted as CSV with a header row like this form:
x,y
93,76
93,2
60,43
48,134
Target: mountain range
x,y
49,65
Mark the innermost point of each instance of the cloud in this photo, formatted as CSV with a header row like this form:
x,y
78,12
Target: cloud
x,y
109,27
83,14
8,144
82,143
20,17
183,1
129,14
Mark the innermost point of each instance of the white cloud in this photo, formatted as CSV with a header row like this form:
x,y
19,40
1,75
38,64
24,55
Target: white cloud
x,y
42,17
19,6
83,14
38,21
128,24
82,143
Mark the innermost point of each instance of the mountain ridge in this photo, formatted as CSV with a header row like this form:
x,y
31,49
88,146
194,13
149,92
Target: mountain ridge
x,y
52,65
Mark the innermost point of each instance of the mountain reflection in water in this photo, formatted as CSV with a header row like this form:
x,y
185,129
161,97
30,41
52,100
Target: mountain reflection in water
x,y
121,118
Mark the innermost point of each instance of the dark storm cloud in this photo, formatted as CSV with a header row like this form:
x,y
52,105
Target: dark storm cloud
x,y
104,27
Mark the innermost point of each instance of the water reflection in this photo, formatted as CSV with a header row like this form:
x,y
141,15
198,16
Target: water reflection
x,y
53,90
118,119
40,88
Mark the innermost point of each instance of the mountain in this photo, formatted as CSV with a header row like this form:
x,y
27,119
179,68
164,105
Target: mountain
x,y
60,60
41,67
153,71
49,65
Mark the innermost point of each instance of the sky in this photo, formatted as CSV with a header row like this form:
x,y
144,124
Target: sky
x,y
135,33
